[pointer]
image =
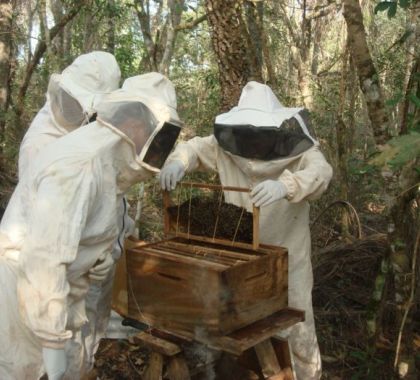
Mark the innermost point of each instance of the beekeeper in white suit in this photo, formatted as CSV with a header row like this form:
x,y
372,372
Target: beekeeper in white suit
x,y
263,145
71,200
71,101
72,97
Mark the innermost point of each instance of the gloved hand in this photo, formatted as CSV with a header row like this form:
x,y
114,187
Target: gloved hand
x,y
267,192
55,362
171,174
101,268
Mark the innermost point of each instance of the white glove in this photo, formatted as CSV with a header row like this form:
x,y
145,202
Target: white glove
x,y
55,362
267,192
101,268
171,174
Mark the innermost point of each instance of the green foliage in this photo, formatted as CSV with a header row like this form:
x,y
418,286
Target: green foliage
x,y
392,6
399,151
414,99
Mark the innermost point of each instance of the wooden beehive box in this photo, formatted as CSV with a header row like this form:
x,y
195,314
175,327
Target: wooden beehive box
x,y
199,285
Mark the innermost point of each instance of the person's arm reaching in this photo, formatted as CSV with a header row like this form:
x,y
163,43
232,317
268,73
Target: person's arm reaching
x,y
199,153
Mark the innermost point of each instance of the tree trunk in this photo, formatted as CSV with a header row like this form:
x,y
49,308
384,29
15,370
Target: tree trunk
x,y
368,76
174,19
6,40
30,22
159,33
254,21
411,82
58,44
300,52
110,42
230,48
143,16
89,30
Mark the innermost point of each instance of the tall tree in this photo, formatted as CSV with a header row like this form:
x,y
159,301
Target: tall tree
x,y
229,43
305,30
254,20
6,37
159,32
110,33
368,76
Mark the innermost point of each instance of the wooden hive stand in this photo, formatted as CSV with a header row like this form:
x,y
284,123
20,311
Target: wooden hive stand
x,y
255,347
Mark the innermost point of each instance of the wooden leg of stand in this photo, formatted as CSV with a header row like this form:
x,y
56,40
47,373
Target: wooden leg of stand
x,y
281,347
178,369
267,359
154,369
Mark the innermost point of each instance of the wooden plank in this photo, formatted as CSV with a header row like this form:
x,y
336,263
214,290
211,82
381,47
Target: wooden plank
x,y
178,369
156,344
154,368
249,336
228,243
223,252
214,187
184,259
203,253
206,256
255,227
281,347
267,359
245,248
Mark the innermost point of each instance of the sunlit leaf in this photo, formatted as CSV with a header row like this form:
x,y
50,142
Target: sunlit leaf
x,y
392,9
382,6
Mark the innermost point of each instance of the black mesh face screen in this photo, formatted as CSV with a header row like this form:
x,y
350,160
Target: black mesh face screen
x,y
262,143
161,146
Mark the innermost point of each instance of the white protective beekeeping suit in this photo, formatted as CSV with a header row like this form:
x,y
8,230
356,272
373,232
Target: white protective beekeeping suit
x,y
70,203
100,297
98,71
261,142
72,97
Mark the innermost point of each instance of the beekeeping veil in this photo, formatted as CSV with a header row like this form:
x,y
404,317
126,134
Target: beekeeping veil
x,y
261,128
73,93
144,113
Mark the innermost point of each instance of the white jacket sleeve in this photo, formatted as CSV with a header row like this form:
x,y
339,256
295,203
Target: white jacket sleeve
x,y
57,218
199,153
310,180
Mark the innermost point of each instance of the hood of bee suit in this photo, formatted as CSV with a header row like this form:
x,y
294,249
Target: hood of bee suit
x,y
73,94
261,128
143,112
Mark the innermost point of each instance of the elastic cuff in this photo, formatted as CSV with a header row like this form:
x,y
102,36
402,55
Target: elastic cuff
x,y
288,181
